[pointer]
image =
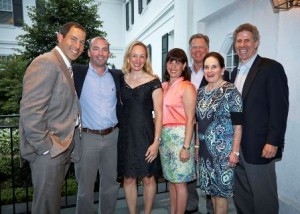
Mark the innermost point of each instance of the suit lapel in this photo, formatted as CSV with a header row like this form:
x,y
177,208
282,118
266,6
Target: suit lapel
x,y
64,68
203,82
251,76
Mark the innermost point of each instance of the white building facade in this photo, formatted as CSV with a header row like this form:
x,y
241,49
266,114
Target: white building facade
x,y
162,25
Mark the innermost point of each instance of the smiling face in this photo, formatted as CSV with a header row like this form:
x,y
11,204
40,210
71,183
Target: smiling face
x,y
212,70
245,46
198,49
175,69
99,52
72,44
137,58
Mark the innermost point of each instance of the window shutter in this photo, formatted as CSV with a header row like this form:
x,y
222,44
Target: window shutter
x,y
132,12
164,52
127,16
18,13
140,6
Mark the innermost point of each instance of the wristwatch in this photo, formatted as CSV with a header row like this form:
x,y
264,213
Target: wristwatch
x,y
186,148
158,138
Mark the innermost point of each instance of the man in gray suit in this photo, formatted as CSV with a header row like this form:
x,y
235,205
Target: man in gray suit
x,y
49,112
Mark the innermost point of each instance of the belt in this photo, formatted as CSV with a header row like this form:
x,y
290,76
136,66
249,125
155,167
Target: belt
x,y
99,132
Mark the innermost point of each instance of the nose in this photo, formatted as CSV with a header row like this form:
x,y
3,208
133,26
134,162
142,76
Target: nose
x,y
78,44
173,64
243,43
138,59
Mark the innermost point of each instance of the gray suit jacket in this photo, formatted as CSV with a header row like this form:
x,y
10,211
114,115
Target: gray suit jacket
x,y
49,107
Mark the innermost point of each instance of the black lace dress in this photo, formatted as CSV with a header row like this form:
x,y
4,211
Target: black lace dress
x,y
136,130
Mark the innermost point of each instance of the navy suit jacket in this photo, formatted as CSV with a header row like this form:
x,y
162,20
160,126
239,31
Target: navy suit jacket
x,y
79,74
203,81
265,108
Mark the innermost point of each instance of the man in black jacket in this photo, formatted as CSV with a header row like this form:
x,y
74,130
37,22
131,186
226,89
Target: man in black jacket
x,y
263,85
98,90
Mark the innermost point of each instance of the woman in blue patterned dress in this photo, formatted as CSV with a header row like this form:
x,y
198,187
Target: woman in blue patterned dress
x,y
219,113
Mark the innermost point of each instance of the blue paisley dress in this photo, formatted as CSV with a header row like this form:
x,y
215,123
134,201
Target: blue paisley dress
x,y
217,111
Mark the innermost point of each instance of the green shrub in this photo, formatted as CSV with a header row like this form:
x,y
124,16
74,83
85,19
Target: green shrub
x,y
72,187
20,193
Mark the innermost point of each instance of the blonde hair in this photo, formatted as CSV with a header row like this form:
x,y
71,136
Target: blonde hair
x,y
147,68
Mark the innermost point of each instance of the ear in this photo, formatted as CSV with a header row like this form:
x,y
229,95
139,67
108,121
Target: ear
x,y
59,37
223,70
256,44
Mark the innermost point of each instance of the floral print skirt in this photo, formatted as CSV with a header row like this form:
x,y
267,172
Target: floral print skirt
x,y
173,169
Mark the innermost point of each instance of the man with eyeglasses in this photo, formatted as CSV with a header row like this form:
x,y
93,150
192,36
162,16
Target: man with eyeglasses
x,y
98,90
199,47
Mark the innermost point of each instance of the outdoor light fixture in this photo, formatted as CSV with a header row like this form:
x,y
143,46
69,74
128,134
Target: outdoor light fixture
x,y
285,4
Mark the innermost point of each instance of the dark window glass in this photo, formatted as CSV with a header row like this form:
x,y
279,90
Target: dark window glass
x,y
18,12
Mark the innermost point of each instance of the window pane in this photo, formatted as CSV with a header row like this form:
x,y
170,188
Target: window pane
x,y
232,59
6,18
235,59
6,5
229,61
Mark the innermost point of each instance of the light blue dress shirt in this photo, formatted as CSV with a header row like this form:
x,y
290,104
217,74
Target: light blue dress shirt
x,y
243,70
98,100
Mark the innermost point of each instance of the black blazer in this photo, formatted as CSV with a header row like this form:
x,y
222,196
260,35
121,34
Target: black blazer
x,y
203,81
79,74
265,108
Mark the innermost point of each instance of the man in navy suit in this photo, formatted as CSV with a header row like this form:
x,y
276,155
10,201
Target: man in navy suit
x,y
98,90
263,85
199,47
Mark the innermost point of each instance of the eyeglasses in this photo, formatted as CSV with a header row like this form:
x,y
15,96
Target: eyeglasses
x,y
201,48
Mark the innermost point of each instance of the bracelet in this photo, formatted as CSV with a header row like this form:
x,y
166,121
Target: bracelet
x,y
236,153
186,148
196,146
158,138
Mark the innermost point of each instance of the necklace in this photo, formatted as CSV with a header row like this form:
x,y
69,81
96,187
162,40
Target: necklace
x,y
214,87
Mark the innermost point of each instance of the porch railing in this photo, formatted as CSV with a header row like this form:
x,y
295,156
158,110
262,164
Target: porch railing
x,y
15,177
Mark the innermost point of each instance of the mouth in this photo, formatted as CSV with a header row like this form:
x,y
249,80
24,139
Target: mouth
x,y
243,51
75,52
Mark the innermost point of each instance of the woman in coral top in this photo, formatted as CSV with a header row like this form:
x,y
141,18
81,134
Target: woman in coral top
x,y
177,146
